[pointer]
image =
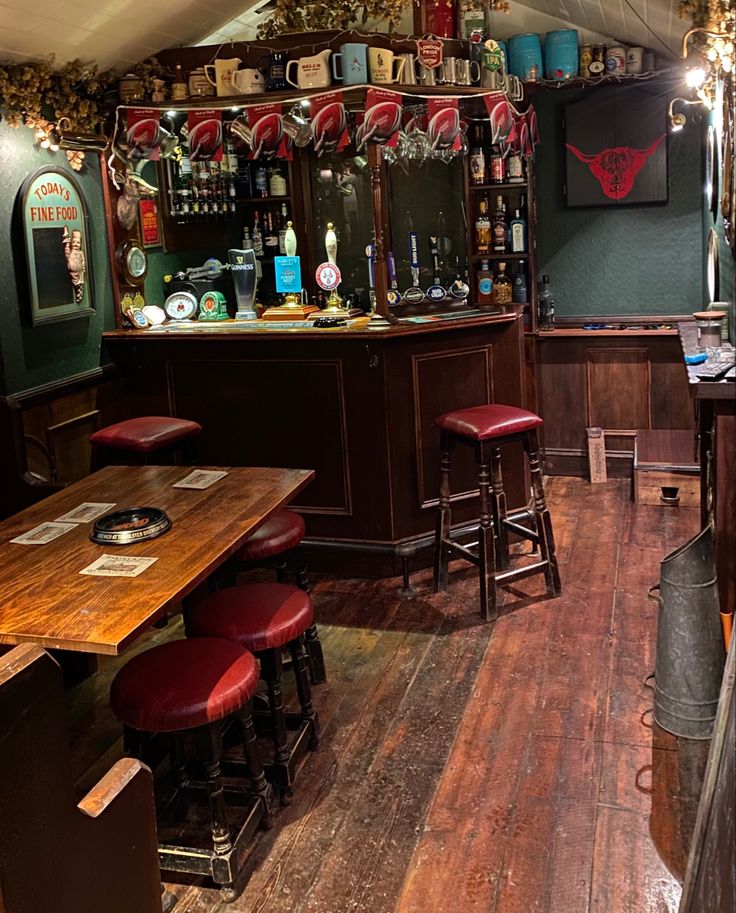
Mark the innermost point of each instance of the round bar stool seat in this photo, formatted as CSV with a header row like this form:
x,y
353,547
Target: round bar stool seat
x,y
280,533
258,616
481,423
268,618
184,684
146,433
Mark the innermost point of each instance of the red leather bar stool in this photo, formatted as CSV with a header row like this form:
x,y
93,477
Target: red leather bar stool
x,y
194,686
278,542
266,619
140,437
486,429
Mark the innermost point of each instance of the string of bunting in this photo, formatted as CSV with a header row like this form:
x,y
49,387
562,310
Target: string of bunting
x,y
262,130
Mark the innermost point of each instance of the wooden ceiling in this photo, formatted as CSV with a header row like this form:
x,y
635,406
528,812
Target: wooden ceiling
x,y
121,32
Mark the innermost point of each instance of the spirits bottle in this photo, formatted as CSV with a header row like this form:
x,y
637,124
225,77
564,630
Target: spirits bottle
x,y
277,183
282,229
546,306
502,288
498,166
261,181
483,229
520,293
477,166
247,241
257,237
484,278
499,227
271,240
515,169
518,234
290,240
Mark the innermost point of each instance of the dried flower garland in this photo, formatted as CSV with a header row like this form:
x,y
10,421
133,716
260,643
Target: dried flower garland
x,y
33,93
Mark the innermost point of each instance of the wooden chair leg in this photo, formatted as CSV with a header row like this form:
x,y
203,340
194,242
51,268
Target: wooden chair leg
x,y
498,506
541,513
486,550
209,748
303,690
253,761
444,515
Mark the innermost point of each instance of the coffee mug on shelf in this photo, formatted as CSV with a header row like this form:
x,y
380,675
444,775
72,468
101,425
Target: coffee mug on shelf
x,y
248,81
353,60
384,66
223,71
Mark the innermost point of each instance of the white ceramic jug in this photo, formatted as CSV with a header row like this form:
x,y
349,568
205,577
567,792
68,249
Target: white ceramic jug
x,y
311,72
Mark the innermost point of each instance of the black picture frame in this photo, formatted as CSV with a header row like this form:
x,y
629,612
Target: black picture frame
x,y
54,231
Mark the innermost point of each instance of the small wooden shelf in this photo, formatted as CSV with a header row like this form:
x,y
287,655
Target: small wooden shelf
x,y
251,201
476,258
485,188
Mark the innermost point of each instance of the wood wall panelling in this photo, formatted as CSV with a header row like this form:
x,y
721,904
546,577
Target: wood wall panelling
x,y
619,388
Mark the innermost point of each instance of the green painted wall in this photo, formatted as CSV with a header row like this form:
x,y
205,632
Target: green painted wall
x,y
30,356
630,260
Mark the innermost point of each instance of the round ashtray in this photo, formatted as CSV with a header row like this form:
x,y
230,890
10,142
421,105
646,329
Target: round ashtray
x,y
134,525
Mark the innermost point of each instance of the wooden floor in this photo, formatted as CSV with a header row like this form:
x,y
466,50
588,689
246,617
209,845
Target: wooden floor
x,y
507,768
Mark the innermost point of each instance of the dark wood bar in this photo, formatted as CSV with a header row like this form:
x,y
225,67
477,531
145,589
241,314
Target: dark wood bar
x,y
356,405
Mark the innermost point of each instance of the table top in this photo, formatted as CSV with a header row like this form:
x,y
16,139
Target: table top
x,y
701,389
45,600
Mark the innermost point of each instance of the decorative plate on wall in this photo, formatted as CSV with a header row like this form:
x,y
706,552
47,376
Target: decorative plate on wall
x,y
711,266
712,172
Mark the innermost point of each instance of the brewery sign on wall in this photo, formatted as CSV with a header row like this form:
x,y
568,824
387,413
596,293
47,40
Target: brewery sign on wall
x,y
55,235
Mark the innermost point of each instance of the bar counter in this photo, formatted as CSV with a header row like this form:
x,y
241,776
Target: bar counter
x,y
356,404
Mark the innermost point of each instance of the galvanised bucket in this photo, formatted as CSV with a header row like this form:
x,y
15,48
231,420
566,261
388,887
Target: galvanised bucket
x,y
690,653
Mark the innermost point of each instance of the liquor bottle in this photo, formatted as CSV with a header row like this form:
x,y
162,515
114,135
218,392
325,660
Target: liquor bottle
x,y
483,229
498,166
271,239
546,306
518,234
247,242
515,169
477,166
232,194
193,194
499,227
520,294
277,183
503,292
282,229
485,284
257,237
261,181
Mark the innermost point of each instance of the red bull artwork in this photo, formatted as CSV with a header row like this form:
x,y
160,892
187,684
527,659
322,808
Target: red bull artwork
x,y
616,169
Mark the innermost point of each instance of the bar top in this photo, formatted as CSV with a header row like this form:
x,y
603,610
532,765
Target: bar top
x,y
701,389
262,329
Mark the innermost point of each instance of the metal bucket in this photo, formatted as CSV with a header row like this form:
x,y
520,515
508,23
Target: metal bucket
x,y
690,654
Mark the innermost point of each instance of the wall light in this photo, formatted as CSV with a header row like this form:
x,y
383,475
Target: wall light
x,y
678,120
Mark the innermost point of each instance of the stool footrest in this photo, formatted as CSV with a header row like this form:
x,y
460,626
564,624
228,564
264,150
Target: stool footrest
x,y
521,531
455,550
503,577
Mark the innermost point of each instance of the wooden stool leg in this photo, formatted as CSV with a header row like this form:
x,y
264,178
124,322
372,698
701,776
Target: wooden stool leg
x,y
444,515
209,748
297,558
303,690
486,550
280,565
271,672
255,766
498,505
541,513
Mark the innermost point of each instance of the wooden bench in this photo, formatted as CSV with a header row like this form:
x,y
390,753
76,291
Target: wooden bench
x,y
57,855
666,469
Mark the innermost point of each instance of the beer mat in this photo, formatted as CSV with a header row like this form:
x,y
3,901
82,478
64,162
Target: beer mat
x,y
86,512
200,479
117,566
44,533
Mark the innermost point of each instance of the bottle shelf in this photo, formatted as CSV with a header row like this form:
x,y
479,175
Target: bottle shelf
x,y
251,201
476,258
486,188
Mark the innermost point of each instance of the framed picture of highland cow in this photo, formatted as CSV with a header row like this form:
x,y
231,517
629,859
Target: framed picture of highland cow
x,y
616,148
53,215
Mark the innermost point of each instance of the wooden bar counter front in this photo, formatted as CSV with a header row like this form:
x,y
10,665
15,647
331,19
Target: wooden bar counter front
x,y
357,405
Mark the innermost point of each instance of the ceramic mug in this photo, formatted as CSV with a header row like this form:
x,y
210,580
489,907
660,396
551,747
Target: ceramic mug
x,y
199,85
384,66
353,58
635,60
248,81
223,75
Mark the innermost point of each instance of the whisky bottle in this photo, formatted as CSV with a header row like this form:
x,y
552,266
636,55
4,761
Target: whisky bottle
x,y
518,234
483,229
271,240
499,227
257,236
503,291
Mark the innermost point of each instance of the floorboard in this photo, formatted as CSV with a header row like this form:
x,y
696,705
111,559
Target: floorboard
x,y
506,768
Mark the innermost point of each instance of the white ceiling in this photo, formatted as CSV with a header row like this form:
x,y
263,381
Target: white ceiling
x,y
118,33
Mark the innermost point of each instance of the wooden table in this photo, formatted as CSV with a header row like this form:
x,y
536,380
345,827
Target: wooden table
x,y
45,600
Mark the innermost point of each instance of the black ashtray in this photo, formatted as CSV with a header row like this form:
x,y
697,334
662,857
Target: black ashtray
x,y
133,525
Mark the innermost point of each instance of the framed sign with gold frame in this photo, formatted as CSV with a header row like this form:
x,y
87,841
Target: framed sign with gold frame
x,y
54,220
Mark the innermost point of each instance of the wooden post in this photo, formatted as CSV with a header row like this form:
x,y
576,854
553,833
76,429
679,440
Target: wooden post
x,y
380,271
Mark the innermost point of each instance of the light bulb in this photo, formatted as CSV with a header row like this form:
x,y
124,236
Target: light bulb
x,y
695,77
